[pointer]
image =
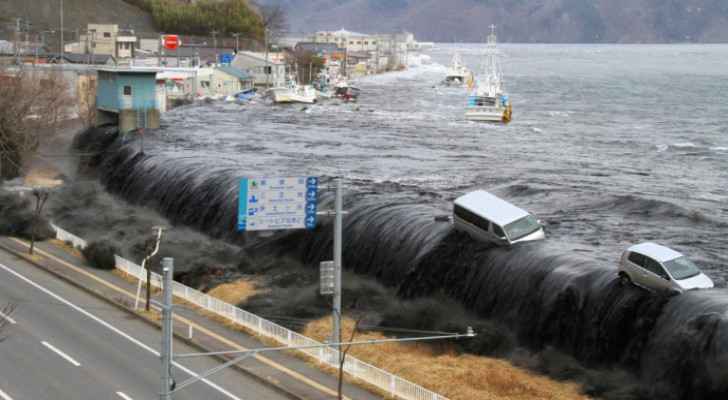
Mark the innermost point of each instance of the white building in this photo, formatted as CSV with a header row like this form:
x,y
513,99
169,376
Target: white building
x,y
272,72
351,41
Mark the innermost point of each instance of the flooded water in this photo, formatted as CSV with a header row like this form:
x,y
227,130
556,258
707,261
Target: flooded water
x,y
610,145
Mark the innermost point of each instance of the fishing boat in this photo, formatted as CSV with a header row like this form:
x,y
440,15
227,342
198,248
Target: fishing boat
x,y
487,101
457,73
293,93
343,90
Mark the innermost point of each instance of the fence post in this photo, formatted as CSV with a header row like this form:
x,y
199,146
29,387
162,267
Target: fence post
x,y
290,338
392,385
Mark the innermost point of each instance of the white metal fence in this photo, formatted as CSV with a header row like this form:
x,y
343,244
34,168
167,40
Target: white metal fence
x,y
390,383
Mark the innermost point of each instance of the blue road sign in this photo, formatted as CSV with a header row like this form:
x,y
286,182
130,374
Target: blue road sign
x,y
277,203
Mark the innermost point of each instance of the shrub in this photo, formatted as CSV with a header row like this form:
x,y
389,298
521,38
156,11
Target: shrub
x,y
100,255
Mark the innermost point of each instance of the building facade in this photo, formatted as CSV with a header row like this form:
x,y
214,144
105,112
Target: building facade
x,y
127,97
271,72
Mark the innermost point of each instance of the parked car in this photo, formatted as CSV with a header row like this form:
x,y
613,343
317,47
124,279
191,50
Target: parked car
x,y
660,268
490,219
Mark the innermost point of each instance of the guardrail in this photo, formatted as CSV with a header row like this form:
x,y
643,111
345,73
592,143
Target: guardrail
x,y
389,383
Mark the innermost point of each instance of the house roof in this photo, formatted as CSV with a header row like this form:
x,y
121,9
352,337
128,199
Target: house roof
x,y
259,57
491,207
235,72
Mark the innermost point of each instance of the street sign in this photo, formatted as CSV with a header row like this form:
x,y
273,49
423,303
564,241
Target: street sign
x,y
327,276
277,203
171,42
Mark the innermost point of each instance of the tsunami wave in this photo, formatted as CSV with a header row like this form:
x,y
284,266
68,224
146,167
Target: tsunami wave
x,y
549,297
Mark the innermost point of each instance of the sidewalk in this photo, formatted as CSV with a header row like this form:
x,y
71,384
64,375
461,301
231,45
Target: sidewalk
x,y
289,374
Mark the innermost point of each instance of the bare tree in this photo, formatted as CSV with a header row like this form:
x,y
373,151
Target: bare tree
x,y
41,196
273,19
342,358
32,104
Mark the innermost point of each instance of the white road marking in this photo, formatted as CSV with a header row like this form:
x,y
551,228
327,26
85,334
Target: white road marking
x,y
7,317
123,396
4,396
117,331
62,354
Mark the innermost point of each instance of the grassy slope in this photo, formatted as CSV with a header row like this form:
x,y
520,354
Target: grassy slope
x,y
44,14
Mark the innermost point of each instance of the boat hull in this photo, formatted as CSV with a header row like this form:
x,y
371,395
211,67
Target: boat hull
x,y
489,114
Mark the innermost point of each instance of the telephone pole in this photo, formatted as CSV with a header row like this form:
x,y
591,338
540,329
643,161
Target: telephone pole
x,y
63,47
237,42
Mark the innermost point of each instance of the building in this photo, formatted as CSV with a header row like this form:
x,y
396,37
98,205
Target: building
x,y
127,97
271,72
105,39
351,41
325,50
223,81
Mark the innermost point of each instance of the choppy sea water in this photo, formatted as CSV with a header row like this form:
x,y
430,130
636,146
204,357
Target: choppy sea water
x,y
610,145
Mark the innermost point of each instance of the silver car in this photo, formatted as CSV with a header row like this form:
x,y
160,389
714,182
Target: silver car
x,y
490,219
660,268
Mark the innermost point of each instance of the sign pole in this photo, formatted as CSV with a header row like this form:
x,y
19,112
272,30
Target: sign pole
x,y
166,351
337,267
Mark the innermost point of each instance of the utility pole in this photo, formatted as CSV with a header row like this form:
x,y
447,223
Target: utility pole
x,y
267,64
214,38
63,49
339,205
16,49
237,42
165,354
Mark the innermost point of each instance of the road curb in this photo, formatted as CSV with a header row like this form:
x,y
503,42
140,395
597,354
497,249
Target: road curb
x,y
121,306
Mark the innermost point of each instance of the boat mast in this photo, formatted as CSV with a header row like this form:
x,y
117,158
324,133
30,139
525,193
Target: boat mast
x,y
491,70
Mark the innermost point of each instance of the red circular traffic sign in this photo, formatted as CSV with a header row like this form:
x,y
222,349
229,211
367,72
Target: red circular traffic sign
x,y
170,42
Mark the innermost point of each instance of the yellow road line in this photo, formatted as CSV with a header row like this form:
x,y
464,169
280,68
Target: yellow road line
x,y
196,326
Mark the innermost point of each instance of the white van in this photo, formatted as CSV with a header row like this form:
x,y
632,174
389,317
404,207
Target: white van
x,y
488,218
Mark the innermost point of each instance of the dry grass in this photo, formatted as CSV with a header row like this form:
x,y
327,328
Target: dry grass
x,y
458,377
67,248
235,292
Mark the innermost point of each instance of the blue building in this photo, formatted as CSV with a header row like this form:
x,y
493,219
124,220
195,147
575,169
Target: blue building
x,y
128,97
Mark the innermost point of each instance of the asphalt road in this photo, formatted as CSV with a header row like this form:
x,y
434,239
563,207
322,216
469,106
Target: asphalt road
x,y
63,343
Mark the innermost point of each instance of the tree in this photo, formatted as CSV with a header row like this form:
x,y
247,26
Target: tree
x,y
308,65
273,19
41,197
31,107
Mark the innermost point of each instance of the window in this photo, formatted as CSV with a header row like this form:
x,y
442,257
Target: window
x,y
268,70
127,90
107,34
366,42
637,258
654,267
498,231
681,268
522,227
471,218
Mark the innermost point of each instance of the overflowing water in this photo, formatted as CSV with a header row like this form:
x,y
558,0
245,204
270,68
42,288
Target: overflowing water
x,y
610,145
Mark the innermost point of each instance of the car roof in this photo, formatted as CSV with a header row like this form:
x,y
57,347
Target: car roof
x,y
491,207
656,251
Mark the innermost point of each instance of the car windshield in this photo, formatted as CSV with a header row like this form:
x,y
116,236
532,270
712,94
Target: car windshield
x,y
522,227
681,268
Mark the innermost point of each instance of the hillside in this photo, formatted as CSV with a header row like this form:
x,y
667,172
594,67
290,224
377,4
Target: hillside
x,y
550,21
44,14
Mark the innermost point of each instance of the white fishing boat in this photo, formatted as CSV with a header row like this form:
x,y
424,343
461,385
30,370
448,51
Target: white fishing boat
x,y
294,93
457,73
488,101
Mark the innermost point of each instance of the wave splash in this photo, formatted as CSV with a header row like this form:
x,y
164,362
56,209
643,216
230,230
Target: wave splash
x,y
678,345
